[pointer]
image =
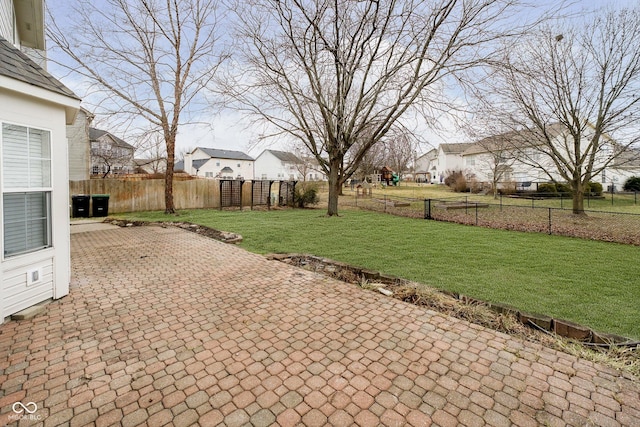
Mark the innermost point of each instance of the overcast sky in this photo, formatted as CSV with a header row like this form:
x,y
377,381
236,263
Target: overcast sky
x,y
229,130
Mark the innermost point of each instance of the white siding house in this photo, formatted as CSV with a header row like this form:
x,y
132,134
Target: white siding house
x,y
79,146
34,208
448,158
279,166
218,164
517,157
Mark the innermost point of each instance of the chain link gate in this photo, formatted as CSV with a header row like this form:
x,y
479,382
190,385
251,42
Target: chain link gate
x,y
287,192
231,193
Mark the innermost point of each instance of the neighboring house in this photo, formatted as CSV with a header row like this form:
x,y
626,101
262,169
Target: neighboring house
x,y
221,164
34,208
110,155
623,167
80,146
426,166
514,157
448,158
279,166
151,166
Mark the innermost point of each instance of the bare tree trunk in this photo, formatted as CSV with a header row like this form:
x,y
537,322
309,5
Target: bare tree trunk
x,y
578,197
334,187
169,207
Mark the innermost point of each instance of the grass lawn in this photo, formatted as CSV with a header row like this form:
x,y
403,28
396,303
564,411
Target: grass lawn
x,y
589,282
624,203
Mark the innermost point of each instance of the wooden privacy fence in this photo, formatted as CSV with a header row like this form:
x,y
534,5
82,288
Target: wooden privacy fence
x,y
148,195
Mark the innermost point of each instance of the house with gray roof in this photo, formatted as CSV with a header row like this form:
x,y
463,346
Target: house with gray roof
x,y
279,166
218,164
110,155
35,109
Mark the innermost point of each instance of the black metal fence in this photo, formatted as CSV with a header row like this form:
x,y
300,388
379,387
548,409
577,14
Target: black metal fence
x,y
261,193
230,193
594,225
286,193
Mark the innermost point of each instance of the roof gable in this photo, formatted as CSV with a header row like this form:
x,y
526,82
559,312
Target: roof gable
x,y
96,134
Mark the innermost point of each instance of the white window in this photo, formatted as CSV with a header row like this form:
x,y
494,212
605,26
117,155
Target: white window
x,y
26,189
208,174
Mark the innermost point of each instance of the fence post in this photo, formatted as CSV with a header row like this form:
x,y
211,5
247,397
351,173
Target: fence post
x,y
385,203
561,206
500,202
635,197
427,208
476,213
550,232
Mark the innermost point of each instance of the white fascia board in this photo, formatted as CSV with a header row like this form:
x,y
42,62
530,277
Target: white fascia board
x,y
71,105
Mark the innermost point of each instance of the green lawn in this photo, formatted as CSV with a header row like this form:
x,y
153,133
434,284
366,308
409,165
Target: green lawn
x,y
589,282
623,203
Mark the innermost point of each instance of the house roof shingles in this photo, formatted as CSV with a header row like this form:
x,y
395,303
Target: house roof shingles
x,y
95,134
455,148
286,157
18,66
226,154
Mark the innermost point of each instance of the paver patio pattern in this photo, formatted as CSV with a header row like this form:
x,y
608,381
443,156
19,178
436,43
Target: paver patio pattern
x,y
165,327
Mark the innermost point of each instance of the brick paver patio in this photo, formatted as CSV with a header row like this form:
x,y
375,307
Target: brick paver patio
x,y
165,327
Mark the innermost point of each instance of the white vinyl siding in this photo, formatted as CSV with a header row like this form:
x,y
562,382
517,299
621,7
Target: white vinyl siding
x,y
26,186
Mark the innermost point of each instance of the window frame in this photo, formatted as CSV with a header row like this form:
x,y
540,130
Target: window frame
x,y
27,188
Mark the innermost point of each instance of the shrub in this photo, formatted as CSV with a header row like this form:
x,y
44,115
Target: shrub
x,y
563,188
305,194
548,189
457,181
594,188
632,184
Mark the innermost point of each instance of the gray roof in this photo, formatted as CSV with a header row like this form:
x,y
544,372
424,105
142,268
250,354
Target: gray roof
x,y
95,134
511,139
226,154
284,156
179,166
197,164
18,66
455,148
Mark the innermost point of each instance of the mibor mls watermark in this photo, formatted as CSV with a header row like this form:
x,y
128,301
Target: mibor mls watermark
x,y
25,411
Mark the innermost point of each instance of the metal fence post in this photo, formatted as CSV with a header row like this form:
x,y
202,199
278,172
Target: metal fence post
x,y
476,213
550,232
385,203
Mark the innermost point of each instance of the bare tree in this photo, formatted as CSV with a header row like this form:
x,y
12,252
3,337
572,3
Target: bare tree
x,y
371,162
339,74
153,152
149,59
400,149
110,157
568,91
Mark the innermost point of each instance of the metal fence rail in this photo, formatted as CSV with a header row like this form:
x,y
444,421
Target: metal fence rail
x,y
594,225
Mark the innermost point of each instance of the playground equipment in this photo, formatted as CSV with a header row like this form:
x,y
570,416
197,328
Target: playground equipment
x,y
389,176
